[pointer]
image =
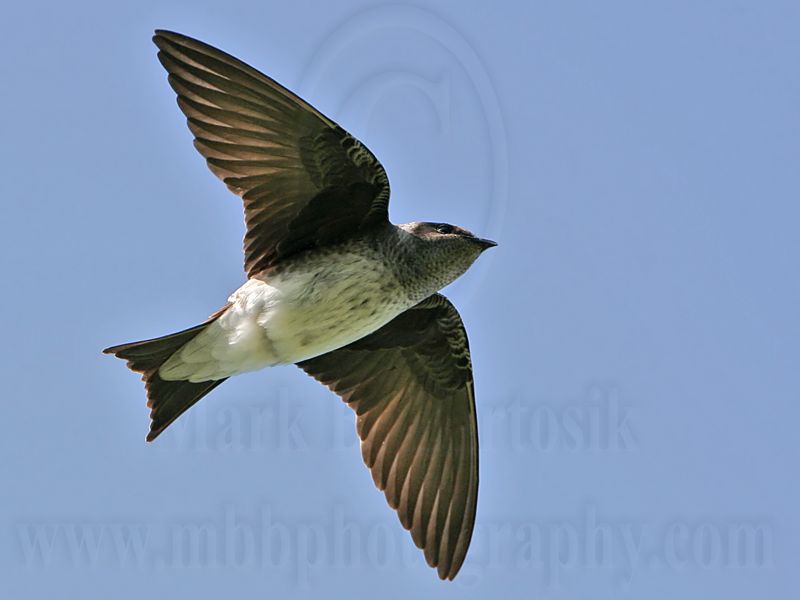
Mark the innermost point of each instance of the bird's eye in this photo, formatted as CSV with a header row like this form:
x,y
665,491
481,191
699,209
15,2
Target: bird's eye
x,y
444,228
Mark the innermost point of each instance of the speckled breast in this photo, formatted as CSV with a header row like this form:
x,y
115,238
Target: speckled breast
x,y
329,302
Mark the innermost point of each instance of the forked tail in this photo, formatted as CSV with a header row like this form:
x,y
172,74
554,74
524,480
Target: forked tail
x,y
167,400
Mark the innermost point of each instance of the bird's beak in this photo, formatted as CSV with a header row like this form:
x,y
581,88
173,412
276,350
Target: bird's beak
x,y
486,244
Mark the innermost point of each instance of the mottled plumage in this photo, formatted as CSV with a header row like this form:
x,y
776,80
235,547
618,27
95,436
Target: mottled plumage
x,y
332,286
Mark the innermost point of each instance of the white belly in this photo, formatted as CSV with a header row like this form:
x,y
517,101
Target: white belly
x,y
297,315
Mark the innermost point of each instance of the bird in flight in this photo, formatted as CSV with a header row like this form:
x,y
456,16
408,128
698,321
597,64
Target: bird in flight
x,y
333,287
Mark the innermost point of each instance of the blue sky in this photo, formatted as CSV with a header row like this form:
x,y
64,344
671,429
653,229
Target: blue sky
x,y
634,336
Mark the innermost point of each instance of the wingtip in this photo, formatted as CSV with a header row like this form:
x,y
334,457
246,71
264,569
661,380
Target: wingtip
x,y
159,40
448,573
164,35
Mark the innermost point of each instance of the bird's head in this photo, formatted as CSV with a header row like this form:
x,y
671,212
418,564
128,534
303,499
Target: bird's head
x,y
447,251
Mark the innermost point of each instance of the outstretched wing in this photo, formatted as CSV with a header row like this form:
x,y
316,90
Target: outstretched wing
x,y
411,386
304,180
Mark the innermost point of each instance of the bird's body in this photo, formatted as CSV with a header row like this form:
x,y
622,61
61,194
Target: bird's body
x,y
315,302
333,287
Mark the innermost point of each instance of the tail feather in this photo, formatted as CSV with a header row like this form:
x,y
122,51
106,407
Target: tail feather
x,y
167,400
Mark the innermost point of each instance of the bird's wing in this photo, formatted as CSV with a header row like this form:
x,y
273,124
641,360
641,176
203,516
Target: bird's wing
x,y
304,180
411,386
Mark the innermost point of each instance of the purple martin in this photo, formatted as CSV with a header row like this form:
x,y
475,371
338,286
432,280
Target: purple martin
x,y
333,287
